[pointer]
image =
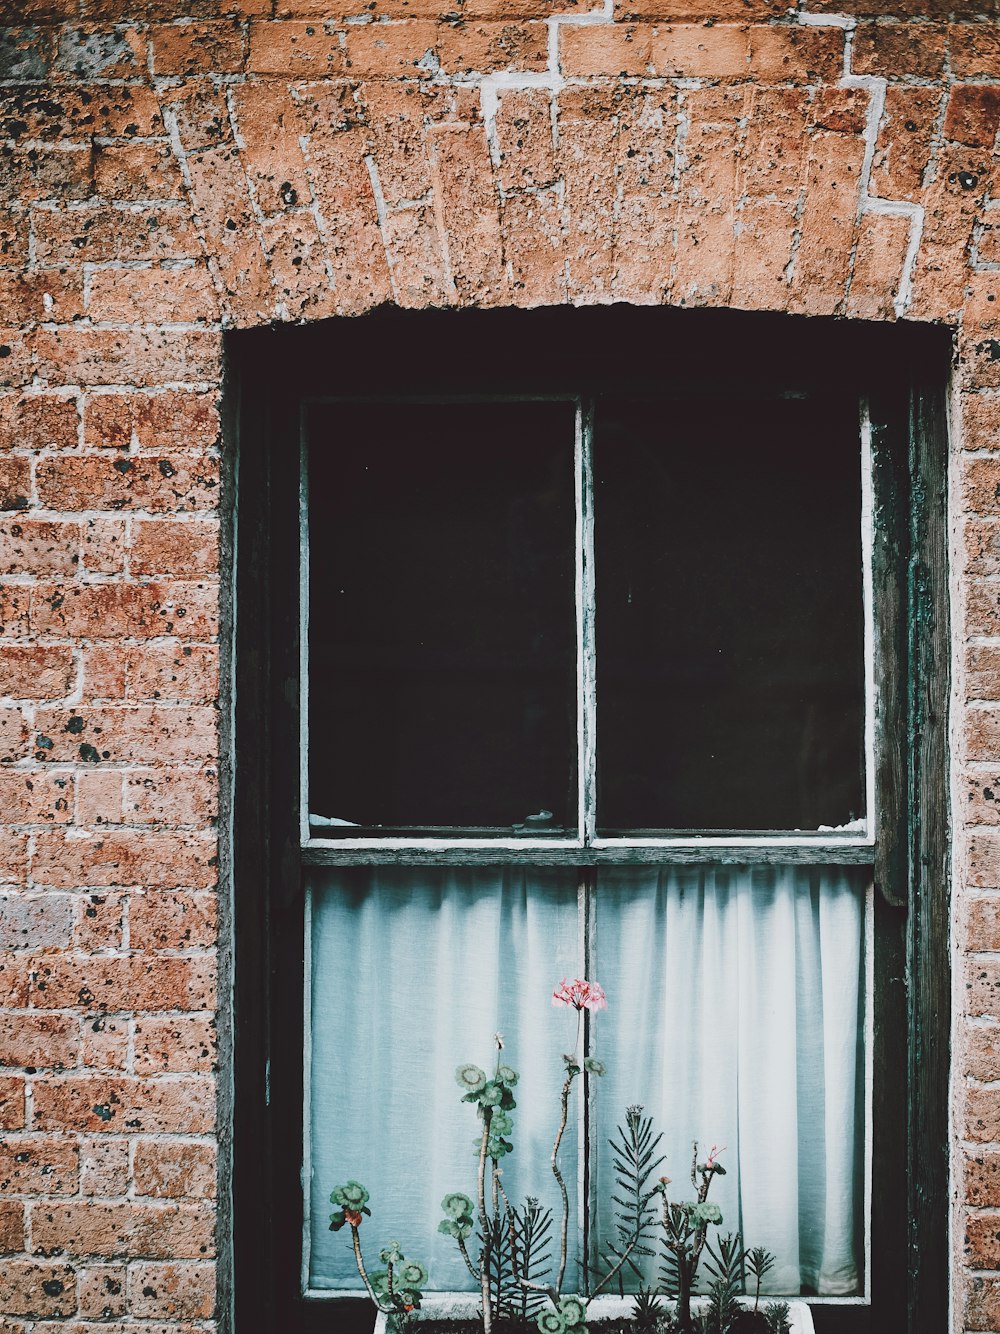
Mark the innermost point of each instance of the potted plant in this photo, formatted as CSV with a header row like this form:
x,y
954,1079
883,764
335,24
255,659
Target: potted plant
x,y
709,1282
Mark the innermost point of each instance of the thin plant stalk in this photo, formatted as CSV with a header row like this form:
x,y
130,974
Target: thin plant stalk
x,y
564,1225
484,1254
359,1261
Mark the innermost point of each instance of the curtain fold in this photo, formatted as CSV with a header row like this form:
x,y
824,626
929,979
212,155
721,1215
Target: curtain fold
x,y
735,1000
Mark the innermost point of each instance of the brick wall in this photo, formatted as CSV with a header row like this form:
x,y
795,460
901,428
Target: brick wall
x,y
169,169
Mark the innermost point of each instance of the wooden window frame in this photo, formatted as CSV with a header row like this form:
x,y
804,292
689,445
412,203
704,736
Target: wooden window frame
x,y
901,373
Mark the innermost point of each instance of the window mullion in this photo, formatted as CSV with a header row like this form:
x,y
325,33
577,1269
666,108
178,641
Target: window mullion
x,y
585,608
587,902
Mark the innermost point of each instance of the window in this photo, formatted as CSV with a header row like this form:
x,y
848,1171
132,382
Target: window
x,y
595,669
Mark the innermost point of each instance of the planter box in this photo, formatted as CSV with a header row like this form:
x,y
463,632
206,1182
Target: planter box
x,y
441,1309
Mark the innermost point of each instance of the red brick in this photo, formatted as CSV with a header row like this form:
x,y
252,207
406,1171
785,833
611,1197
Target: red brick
x,y
172,1291
185,797
104,545
44,547
129,1228
980,421
462,48
201,113
168,547
32,1289
135,732
99,922
39,1040
982,1304
175,1044
685,51
43,294
11,1221
35,798
101,1290
98,798
11,1118
117,610
130,982
129,172
103,672
117,1104
121,112
175,1170
104,1169
105,1046
973,115
38,421
152,296
982,617
13,863
32,1165
974,50
792,54
183,49
15,484
99,233
58,174
391,50
982,1241
164,484
133,356
181,672
166,421
981,1054
13,735
172,921
38,921
296,49
898,50
124,857
983,856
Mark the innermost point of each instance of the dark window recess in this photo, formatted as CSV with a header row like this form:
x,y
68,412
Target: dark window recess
x,y
730,688
442,616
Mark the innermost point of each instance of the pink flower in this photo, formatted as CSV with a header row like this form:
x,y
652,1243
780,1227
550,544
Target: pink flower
x,y
581,994
715,1151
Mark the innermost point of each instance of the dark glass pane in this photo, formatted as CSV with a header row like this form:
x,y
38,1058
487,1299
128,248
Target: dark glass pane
x,y
730,678
442,635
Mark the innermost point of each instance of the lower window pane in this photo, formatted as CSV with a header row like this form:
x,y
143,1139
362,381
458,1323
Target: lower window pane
x,y
735,1017
413,971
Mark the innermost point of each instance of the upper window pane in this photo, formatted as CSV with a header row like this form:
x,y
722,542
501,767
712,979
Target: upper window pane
x,y
730,622
442,624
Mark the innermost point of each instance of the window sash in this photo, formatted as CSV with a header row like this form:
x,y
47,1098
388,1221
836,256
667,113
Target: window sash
x,y
587,847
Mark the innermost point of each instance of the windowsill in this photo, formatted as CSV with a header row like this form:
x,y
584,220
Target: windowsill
x,y
455,1306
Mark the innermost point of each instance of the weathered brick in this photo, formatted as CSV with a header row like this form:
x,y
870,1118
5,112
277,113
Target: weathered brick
x,y
39,1040
124,111
175,1044
101,1290
104,1166
184,797
180,672
117,1104
130,172
99,234
132,356
38,921
166,421
183,49
172,921
32,1289
11,1118
172,1291
152,295
180,1170
98,798
896,50
166,483
11,1223
973,115
38,421
117,610
35,798
981,547
34,1165
981,1052
179,548
131,1228
131,982
105,1044
135,732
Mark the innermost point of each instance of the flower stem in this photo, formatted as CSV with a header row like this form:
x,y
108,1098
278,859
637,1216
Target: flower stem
x,y
564,1229
484,1254
359,1261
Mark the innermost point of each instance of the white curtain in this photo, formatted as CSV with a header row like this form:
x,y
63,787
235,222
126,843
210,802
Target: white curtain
x,y
734,1016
